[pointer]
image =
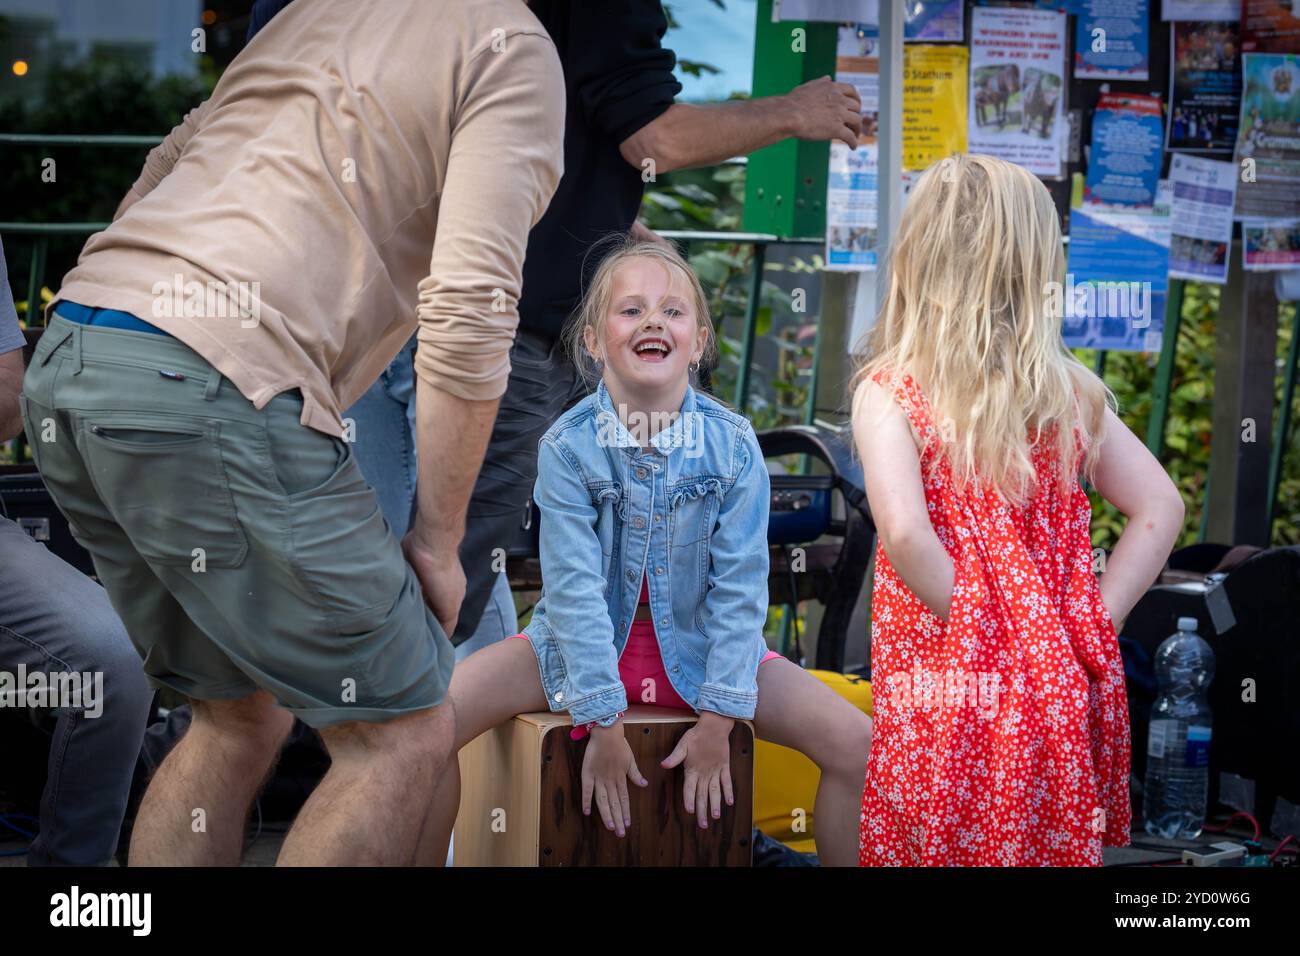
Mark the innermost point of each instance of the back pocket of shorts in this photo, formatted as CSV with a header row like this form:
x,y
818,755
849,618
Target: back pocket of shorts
x,y
165,484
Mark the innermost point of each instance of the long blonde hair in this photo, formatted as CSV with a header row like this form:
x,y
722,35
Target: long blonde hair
x,y
595,303
967,314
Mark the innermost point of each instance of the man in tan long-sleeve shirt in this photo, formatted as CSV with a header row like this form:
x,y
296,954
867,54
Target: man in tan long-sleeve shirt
x,y
360,170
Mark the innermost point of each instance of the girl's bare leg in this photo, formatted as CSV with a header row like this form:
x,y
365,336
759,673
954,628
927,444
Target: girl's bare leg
x,y
797,710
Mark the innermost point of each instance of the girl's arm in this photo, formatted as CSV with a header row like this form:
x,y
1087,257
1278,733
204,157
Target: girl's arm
x,y
1130,478
891,467
576,613
735,608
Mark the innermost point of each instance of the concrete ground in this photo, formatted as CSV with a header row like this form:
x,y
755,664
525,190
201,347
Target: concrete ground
x,y
263,849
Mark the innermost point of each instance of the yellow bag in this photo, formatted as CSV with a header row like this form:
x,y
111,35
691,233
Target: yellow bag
x,y
785,781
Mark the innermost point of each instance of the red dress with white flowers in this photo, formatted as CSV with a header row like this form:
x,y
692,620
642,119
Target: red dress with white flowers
x,y
1002,737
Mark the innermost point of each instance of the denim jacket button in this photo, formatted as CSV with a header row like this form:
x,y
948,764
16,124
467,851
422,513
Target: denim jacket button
x,y
659,570
659,518
641,473
559,696
638,522
630,574
663,622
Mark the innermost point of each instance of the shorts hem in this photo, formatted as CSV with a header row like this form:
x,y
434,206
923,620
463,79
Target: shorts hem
x,y
320,717
192,690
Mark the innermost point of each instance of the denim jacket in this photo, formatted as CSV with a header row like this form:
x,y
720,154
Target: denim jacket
x,y
689,513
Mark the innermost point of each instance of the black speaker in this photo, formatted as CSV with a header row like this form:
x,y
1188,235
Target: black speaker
x,y
25,499
1249,618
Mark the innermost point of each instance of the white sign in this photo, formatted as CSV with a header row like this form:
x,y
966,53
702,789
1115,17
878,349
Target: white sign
x,y
1204,192
1017,86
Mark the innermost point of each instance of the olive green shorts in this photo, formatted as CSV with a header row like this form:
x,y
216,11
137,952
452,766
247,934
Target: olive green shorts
x,y
241,549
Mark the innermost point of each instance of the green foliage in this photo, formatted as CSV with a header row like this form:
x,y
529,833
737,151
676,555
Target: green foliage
x,y
100,96
712,200
1186,455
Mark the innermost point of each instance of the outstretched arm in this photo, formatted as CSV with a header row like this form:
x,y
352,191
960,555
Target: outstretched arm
x,y
687,135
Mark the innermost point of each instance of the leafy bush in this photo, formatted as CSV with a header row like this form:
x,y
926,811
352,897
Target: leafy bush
x,y
1186,454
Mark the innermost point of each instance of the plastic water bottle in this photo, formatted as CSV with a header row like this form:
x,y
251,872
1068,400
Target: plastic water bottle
x,y
1178,743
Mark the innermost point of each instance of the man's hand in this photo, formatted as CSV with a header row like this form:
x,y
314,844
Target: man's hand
x,y
643,233
707,752
823,109
437,567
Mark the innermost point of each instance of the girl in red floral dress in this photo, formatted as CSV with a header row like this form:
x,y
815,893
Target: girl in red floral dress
x,y
1001,728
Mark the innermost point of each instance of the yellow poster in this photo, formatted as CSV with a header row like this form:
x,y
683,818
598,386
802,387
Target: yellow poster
x,y
934,103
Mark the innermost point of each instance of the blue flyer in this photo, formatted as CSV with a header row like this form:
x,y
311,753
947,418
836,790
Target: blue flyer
x,y
1117,278
1124,162
1112,40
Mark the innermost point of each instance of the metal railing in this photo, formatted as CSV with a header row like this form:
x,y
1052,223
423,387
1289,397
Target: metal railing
x,y
1157,420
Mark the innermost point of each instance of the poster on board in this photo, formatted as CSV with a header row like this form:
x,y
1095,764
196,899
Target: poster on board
x,y
1117,277
1268,136
1017,86
1205,80
1200,9
1200,212
851,189
934,103
1112,40
1270,26
1271,244
1124,161
933,21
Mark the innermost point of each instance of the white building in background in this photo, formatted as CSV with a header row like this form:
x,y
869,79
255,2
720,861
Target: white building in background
x,y
35,34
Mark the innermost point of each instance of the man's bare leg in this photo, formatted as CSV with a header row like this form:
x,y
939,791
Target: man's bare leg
x,y
488,688
196,807
369,810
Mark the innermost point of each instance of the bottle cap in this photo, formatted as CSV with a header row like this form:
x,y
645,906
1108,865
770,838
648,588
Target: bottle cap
x,y
1187,624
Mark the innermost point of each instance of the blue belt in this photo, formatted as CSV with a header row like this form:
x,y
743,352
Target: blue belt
x,y
104,318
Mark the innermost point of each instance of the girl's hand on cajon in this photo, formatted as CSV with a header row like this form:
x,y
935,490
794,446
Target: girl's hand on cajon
x,y
607,766
706,748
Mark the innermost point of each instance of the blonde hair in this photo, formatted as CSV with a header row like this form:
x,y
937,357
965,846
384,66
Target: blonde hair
x,y
595,303
966,314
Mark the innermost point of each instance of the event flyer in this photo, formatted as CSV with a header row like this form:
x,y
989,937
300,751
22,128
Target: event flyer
x,y
1112,40
1268,139
934,103
1270,244
1017,86
1206,84
1200,217
851,192
935,21
1117,277
1124,163
1200,10
1269,26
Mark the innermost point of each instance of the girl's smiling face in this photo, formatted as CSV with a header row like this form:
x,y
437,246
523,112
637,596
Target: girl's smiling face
x,y
651,334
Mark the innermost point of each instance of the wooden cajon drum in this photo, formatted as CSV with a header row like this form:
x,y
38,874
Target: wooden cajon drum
x,y
521,799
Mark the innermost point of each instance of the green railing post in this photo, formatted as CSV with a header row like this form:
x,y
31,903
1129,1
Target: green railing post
x,y
1100,365
36,280
810,407
1283,422
785,183
751,323
1165,369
